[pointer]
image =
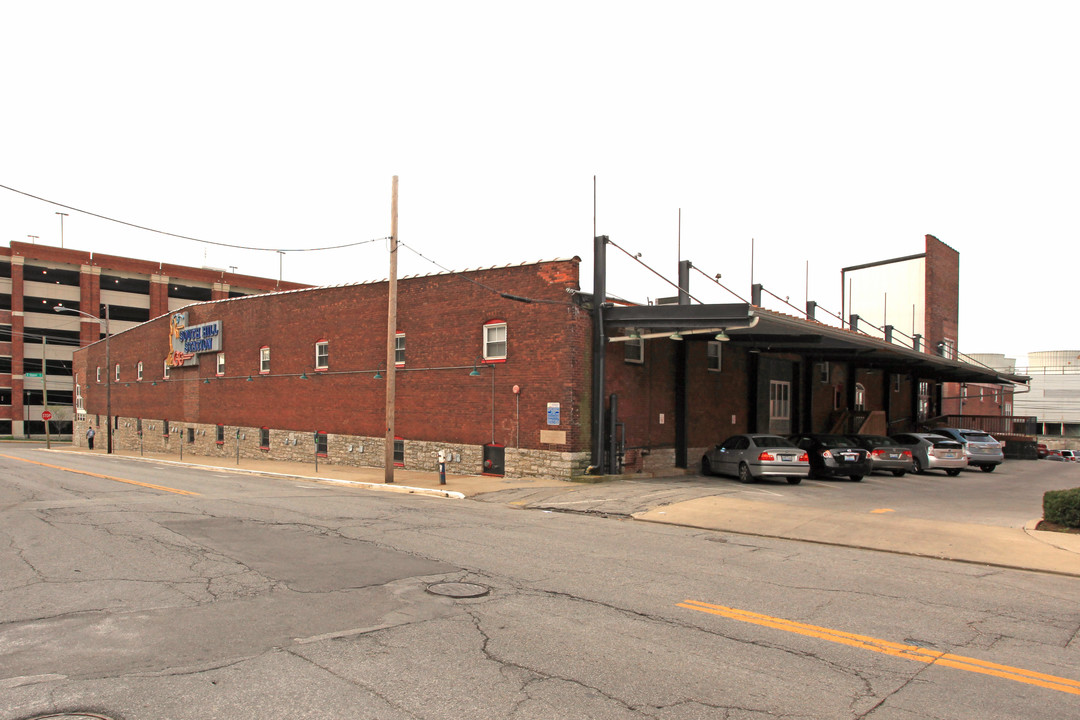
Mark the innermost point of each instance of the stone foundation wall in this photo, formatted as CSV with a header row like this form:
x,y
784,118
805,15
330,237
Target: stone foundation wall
x,y
299,447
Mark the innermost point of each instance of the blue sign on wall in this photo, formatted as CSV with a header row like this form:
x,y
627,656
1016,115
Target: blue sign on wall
x,y
553,414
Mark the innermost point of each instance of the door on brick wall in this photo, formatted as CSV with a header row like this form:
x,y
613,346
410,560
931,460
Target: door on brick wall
x,y
494,459
780,407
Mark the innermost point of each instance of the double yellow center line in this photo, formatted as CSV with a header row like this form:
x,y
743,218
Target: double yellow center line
x,y
104,477
908,652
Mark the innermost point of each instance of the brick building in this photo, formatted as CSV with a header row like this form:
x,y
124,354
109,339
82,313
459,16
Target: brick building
x,y
498,366
36,344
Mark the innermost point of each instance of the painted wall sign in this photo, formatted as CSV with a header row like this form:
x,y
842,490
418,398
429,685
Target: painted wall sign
x,y
186,342
553,411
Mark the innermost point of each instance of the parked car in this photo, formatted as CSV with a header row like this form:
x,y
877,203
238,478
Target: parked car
x,y
834,455
886,454
1069,455
1042,451
754,456
1054,455
933,452
982,451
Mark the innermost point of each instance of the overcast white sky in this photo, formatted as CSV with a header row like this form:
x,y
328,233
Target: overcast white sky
x,y
831,133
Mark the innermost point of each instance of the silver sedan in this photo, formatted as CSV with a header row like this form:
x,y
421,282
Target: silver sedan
x,y
751,457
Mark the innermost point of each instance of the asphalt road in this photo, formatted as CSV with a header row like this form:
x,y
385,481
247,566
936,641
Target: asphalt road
x,y
141,591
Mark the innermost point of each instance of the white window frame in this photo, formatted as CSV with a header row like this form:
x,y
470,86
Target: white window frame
x,y
634,351
138,371
166,369
99,373
264,360
490,329
219,367
399,350
714,356
860,397
116,374
322,355
779,406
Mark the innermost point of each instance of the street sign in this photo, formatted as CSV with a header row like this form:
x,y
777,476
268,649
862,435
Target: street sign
x,y
46,415
31,374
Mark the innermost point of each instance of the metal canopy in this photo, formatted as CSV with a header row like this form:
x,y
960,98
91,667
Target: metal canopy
x,y
768,331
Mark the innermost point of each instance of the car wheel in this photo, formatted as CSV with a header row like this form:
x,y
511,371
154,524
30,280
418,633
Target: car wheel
x,y
706,467
794,480
856,478
744,473
987,468
953,472
918,467
899,473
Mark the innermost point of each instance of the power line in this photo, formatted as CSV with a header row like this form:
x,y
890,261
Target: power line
x,y
637,258
186,237
500,293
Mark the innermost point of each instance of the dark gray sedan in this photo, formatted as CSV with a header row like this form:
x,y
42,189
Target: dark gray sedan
x,y
752,456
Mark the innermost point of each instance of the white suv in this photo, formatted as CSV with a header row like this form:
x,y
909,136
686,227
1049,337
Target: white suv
x,y
980,449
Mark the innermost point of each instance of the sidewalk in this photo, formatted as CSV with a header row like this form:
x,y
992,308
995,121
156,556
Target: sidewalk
x,y
405,481
1025,549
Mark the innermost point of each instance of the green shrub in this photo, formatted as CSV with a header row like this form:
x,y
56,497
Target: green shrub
x,y
1062,507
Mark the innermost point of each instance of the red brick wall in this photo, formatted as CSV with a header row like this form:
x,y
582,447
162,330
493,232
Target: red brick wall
x,y
442,317
942,293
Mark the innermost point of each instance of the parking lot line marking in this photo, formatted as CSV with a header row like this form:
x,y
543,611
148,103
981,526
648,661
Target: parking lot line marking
x,y
821,484
104,477
879,511
887,647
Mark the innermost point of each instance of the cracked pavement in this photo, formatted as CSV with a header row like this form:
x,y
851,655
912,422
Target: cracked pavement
x,y
264,597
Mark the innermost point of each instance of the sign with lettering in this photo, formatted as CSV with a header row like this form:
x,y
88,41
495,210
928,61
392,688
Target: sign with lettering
x,y
187,342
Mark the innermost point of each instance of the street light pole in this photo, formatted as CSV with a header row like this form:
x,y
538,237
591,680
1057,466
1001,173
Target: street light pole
x,y
108,386
108,370
62,216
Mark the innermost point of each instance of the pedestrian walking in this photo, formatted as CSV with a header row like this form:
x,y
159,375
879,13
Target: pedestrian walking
x,y
90,437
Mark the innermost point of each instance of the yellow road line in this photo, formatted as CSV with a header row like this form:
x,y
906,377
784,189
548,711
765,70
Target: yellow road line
x,y
104,477
908,652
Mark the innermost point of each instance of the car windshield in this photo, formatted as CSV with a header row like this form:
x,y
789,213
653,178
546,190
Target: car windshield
x,y
944,442
834,441
875,441
772,441
976,436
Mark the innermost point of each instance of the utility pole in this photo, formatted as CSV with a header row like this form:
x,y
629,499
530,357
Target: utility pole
x,y
62,216
280,263
45,384
391,334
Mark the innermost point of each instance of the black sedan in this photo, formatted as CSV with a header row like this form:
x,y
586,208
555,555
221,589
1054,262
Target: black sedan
x,y
834,455
886,454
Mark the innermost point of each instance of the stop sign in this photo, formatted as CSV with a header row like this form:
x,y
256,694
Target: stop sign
x,y
46,415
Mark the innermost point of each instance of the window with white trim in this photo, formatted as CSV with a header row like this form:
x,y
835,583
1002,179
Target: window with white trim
x,y
165,370
860,397
495,340
220,364
399,350
264,359
117,372
138,371
99,373
634,351
713,355
322,355
779,407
